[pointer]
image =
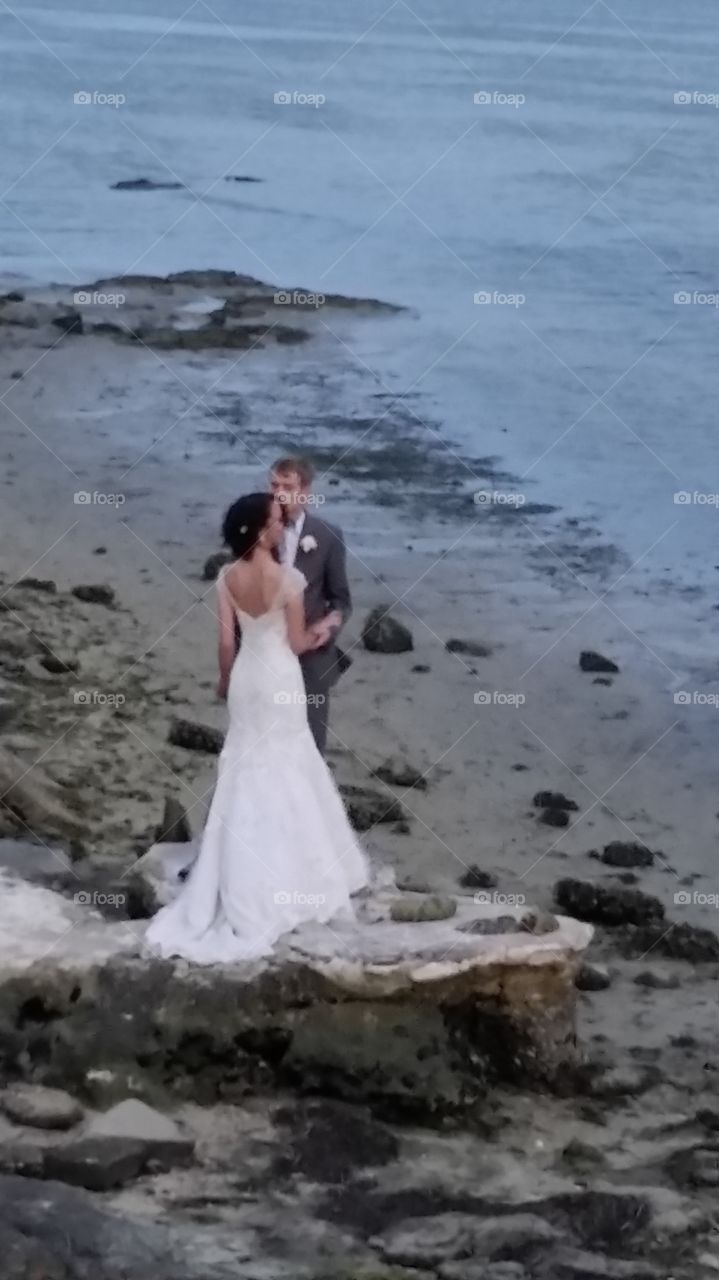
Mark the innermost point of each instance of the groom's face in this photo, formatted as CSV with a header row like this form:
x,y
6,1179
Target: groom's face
x,y
290,493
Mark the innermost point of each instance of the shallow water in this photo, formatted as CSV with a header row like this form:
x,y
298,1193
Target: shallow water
x,y
594,386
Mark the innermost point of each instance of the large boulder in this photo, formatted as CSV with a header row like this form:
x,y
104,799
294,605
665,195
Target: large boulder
x,y
133,1120
420,1018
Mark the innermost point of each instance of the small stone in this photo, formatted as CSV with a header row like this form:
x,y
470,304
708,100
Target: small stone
x,y
69,322
582,1156
472,648
592,977
367,808
401,828
99,551
196,737
58,666
413,884
98,1164
622,853
133,1120
492,925
37,584
40,1108
657,981
475,878
381,633
214,563
539,922
608,906
603,680
554,817
554,800
400,773
95,593
429,908
589,660
421,669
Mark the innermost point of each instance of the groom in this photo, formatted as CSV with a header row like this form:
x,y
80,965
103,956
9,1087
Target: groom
x,y
318,550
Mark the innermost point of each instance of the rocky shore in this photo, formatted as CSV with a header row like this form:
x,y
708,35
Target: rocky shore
x,y
590,802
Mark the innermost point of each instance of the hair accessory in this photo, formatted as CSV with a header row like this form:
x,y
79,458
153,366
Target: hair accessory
x,y
243,528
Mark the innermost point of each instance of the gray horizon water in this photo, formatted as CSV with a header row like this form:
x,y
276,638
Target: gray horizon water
x,y
500,198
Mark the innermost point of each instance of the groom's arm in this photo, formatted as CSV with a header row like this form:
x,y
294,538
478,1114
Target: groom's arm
x,y
336,586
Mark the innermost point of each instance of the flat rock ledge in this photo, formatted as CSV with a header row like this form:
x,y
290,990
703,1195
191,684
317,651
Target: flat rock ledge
x,y
416,1019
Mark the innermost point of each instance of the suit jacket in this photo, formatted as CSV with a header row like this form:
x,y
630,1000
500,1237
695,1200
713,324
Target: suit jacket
x,y
325,568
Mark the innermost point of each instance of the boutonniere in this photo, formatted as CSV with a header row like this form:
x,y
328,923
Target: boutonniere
x,y
308,543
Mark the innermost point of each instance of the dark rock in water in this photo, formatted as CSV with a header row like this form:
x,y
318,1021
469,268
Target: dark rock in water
x,y
381,633
592,977
95,593
674,941
710,1119
98,1164
655,981
417,910
472,648
475,878
241,177
626,877
622,853
99,551
589,660
214,563
196,737
13,296
432,1241
145,184
520,768
331,1142
609,906
603,680
367,808
421,669
37,584
71,322
554,817
399,773
554,800
583,1157
402,828
175,826
58,666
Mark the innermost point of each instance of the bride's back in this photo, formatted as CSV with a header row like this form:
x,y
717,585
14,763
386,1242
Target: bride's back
x,y
254,585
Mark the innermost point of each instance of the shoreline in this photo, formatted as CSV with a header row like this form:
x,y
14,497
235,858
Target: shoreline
x,y
611,748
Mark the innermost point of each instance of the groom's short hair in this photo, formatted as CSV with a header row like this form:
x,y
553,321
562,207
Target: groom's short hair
x,y
301,467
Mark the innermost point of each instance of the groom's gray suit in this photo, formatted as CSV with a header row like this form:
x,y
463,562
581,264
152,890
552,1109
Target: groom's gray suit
x,y
325,569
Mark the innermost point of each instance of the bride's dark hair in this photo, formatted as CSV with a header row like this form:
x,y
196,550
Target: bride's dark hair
x,y
244,522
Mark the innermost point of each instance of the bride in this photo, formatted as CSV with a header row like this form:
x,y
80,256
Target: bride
x,y
278,848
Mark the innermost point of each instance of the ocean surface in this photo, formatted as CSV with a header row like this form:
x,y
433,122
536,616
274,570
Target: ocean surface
x,y
576,193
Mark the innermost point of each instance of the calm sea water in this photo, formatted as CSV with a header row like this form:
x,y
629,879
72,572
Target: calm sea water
x,y
581,189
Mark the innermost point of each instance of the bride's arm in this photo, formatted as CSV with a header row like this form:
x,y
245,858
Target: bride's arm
x,y
301,638
227,640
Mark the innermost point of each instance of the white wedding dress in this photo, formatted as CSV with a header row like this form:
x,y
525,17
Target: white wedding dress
x,y
278,849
